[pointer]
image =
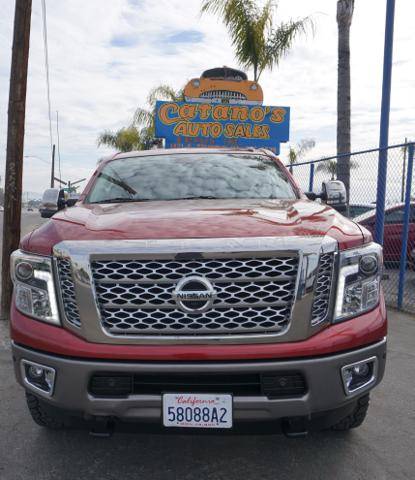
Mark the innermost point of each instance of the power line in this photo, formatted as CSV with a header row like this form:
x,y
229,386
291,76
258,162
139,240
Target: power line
x,y
45,43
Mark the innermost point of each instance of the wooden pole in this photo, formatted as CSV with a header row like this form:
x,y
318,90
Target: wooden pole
x,y
15,140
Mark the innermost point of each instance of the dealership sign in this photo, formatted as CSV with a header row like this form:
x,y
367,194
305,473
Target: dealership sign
x,y
184,124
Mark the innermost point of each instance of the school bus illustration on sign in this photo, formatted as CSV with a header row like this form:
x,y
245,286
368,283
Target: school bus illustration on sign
x,y
223,85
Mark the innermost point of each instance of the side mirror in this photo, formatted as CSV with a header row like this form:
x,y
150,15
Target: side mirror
x,y
311,195
53,200
334,194
74,197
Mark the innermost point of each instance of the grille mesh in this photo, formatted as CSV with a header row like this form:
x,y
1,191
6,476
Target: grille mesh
x,y
253,295
322,289
223,94
68,292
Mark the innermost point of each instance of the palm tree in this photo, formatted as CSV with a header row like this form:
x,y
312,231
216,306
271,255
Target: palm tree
x,y
257,44
123,140
140,134
144,118
331,167
297,152
344,20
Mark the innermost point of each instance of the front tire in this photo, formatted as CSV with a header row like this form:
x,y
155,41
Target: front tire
x,y
356,418
43,414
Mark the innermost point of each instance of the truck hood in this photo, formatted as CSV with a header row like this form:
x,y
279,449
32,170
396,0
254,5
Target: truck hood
x,y
194,219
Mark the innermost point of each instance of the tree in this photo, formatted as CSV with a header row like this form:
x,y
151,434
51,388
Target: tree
x,y
344,21
124,140
140,133
331,167
257,44
144,118
297,152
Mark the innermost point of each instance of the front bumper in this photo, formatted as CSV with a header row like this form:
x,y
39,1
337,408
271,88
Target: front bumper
x,y
325,388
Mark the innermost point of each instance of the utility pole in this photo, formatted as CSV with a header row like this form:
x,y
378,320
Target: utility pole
x,y
15,141
52,173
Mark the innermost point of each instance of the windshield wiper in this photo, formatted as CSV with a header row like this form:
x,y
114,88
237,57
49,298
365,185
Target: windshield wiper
x,y
120,183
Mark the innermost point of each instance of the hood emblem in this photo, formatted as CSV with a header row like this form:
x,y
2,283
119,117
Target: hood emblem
x,y
194,294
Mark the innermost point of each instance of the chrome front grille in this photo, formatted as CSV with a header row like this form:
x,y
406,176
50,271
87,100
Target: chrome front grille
x,y
253,295
67,291
321,303
223,95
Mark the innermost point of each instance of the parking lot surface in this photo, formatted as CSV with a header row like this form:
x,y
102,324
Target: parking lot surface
x,y
383,448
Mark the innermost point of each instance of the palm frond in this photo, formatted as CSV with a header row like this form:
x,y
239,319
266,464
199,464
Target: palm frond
x,y
281,40
162,92
142,117
256,44
297,152
229,10
305,146
107,138
330,166
124,139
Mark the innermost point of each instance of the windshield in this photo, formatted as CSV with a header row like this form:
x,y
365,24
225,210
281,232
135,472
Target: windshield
x,y
184,176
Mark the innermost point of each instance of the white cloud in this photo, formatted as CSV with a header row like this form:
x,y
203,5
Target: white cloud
x,y
96,84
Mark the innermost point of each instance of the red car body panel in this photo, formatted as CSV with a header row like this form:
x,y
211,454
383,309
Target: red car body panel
x,y
363,330
194,219
393,231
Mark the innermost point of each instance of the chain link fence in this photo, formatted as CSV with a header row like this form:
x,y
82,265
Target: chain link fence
x,y
399,222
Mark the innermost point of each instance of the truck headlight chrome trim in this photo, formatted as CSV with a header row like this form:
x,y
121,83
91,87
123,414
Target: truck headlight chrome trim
x,y
358,286
34,289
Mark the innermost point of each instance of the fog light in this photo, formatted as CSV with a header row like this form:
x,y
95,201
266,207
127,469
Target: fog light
x,y
359,375
38,377
35,371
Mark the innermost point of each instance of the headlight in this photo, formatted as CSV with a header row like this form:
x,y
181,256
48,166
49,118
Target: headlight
x,y
34,290
254,86
358,287
196,83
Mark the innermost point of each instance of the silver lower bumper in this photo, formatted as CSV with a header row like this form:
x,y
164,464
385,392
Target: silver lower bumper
x,y
323,376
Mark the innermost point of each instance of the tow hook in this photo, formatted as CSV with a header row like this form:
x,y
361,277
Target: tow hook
x,y
102,427
294,427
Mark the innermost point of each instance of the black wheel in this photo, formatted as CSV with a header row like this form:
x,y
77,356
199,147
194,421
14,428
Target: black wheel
x,y
43,414
356,418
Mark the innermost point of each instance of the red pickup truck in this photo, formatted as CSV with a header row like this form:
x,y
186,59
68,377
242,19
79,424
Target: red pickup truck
x,y
198,289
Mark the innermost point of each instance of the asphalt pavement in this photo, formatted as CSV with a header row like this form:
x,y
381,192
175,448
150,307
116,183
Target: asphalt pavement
x,y
382,448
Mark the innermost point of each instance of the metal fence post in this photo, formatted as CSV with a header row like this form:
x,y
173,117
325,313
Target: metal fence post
x,y
384,121
311,179
405,230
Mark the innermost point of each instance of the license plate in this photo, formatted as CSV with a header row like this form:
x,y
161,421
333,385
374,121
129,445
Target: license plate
x,y
197,410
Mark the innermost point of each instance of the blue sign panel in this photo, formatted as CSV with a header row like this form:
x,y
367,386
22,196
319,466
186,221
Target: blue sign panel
x,y
186,125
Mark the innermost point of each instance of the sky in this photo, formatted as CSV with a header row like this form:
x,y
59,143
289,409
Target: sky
x,y
105,55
